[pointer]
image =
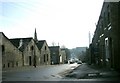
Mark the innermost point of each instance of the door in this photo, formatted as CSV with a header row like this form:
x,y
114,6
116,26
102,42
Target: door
x,y
30,61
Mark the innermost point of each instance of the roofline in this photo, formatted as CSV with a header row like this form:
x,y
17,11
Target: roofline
x,y
41,40
53,46
4,35
22,38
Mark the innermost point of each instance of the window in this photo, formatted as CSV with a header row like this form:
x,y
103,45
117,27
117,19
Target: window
x,y
47,57
31,48
16,63
44,57
3,65
104,20
3,49
45,48
8,64
108,14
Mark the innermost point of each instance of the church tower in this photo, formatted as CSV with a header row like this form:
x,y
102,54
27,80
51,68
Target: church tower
x,y
35,36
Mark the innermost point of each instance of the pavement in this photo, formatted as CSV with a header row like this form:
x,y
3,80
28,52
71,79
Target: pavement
x,y
91,72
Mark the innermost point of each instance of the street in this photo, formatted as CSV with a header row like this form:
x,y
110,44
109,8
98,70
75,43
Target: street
x,y
41,73
93,73
63,72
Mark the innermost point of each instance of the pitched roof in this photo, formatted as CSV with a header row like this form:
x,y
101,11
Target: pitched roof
x,y
16,42
3,35
40,43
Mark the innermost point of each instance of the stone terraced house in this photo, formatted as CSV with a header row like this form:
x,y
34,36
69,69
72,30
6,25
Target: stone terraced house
x,y
105,47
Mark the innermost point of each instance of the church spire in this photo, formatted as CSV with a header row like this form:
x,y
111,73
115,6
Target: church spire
x,y
35,36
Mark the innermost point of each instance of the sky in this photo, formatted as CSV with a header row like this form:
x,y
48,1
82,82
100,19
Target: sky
x,y
64,22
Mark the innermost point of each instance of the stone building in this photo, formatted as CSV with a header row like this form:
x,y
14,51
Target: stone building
x,y
44,52
106,39
63,56
55,53
11,56
29,49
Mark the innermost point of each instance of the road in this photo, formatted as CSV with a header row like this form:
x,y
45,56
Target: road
x,y
41,73
87,72
63,73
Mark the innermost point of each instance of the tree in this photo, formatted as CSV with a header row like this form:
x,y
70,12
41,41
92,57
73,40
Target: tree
x,y
53,43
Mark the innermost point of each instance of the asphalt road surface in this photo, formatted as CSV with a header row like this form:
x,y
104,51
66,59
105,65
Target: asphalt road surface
x,y
41,73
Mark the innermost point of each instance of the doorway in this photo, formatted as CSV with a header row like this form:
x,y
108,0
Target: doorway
x,y
111,52
30,61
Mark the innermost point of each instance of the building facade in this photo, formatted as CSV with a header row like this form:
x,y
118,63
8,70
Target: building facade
x,y
63,56
29,49
29,52
55,53
44,52
106,41
11,56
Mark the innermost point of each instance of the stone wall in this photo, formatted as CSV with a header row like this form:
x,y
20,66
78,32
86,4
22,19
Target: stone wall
x,y
31,54
45,55
11,56
106,38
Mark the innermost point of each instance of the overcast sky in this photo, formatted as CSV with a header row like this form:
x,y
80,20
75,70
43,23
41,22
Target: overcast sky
x,y
66,22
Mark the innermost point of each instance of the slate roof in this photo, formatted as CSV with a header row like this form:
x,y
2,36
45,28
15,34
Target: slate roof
x,y
40,44
25,41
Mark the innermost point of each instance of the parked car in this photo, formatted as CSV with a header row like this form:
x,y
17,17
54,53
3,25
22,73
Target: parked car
x,y
79,62
70,62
